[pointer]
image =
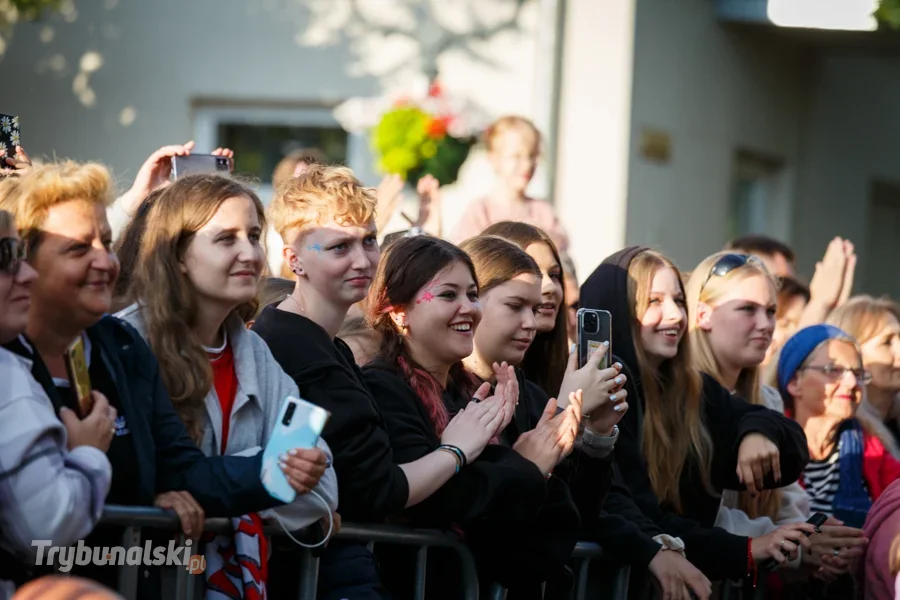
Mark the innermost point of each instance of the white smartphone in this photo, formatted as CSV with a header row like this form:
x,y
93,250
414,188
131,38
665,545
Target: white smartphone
x,y
300,423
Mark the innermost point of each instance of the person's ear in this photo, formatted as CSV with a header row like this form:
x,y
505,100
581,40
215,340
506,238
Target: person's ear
x,y
292,260
704,316
399,319
793,387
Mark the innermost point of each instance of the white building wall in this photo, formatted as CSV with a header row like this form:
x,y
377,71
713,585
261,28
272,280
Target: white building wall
x,y
713,91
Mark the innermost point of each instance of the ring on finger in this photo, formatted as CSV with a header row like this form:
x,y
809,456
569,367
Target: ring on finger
x,y
836,552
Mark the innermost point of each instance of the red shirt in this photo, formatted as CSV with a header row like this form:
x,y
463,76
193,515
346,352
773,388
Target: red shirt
x,y
226,384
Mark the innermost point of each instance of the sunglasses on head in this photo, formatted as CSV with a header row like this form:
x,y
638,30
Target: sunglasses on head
x,y
12,254
729,262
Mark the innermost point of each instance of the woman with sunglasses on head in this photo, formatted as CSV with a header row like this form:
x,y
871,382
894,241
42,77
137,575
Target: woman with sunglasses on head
x,y
60,210
731,312
327,221
56,475
425,304
196,281
686,438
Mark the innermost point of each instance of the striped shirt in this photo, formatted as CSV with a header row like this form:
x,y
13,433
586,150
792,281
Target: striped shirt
x,y
821,480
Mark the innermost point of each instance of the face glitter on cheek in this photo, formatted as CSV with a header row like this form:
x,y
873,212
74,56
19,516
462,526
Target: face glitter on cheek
x,y
315,248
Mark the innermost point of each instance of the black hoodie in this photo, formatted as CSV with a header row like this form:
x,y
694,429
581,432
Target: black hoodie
x,y
728,419
371,484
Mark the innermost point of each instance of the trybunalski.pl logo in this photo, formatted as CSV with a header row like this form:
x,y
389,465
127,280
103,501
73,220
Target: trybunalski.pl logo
x,y
68,556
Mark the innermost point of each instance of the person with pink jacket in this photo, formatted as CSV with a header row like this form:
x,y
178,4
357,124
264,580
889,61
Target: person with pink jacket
x,y
513,145
876,577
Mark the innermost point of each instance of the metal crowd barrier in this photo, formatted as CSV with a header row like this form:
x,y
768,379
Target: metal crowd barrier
x,y
133,519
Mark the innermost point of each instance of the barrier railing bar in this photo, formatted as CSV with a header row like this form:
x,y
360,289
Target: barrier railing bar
x,y
309,584
134,518
128,577
421,561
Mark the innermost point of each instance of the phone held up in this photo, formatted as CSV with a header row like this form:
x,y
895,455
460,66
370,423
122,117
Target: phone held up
x,y
300,423
594,328
194,164
10,137
76,365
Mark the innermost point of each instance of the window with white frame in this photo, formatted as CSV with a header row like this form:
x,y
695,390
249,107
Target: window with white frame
x,y
262,135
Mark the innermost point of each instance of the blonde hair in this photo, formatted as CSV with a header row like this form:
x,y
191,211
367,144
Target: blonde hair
x,y
863,316
894,556
508,123
322,193
673,427
749,384
46,186
169,301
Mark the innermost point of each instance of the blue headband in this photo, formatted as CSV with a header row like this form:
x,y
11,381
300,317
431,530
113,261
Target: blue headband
x,y
801,345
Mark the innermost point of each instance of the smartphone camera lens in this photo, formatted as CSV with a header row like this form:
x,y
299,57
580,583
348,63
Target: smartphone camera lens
x,y
591,323
289,414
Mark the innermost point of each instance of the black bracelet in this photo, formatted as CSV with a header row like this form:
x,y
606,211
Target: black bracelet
x,y
459,453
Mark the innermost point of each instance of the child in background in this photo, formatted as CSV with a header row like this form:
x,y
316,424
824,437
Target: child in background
x,y
513,145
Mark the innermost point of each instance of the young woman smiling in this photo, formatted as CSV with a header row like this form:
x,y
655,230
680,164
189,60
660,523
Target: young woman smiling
x,y
518,519
687,438
546,359
60,211
196,280
327,221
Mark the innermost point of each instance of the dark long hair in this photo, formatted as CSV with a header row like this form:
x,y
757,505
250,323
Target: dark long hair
x,y
406,267
546,359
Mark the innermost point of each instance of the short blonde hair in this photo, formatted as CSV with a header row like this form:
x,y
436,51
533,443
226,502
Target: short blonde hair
x,y
46,186
322,194
512,122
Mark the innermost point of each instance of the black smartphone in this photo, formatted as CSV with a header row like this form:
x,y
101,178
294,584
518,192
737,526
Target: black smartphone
x,y
193,164
10,137
817,520
594,328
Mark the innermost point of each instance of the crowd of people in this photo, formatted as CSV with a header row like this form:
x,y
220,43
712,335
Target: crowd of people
x,y
738,403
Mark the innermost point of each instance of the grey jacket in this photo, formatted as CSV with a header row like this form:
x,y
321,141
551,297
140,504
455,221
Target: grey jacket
x,y
46,492
262,388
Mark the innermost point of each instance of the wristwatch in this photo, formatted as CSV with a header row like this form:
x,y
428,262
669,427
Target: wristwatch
x,y
594,440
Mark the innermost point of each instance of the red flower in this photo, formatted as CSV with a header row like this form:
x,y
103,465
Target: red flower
x,y
435,90
437,127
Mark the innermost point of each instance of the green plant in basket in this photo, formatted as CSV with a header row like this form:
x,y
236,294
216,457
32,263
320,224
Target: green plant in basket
x,y
412,142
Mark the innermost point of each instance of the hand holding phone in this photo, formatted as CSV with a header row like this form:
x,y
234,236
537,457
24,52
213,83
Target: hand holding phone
x,y
789,536
594,328
291,461
192,164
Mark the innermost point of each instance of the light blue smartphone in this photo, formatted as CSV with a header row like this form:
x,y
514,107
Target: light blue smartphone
x,y
300,423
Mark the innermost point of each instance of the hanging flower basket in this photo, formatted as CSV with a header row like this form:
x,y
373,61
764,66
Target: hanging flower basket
x,y
415,139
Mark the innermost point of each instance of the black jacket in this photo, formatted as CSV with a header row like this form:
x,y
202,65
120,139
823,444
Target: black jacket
x,y
728,419
225,486
521,527
371,485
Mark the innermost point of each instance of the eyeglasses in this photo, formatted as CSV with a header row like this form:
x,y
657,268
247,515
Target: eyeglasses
x,y
729,262
836,373
13,253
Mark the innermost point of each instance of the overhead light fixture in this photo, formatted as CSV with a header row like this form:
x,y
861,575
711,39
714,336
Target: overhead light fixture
x,y
847,15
